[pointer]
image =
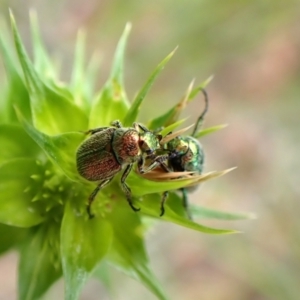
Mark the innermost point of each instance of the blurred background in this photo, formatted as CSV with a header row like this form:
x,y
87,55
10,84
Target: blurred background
x,y
253,50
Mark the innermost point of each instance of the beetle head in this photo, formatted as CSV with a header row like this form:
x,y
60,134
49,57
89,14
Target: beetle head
x,y
178,145
149,142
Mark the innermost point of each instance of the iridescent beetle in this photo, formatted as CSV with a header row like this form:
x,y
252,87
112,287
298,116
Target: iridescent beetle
x,y
185,154
109,150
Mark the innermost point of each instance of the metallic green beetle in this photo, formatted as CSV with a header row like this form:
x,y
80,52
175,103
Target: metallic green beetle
x,y
185,153
109,150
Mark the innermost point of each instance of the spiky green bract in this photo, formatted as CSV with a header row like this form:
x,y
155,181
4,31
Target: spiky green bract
x,y
112,103
40,262
84,243
43,198
210,130
172,114
135,107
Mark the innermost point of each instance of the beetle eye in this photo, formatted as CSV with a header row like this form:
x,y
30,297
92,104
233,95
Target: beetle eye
x,y
144,146
148,152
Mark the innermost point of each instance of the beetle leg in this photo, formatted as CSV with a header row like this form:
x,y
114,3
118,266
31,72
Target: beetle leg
x,y
126,188
138,126
116,123
152,166
159,160
165,167
162,203
140,165
185,202
94,194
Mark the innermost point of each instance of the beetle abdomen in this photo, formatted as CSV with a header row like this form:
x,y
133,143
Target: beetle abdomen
x,y
98,165
95,161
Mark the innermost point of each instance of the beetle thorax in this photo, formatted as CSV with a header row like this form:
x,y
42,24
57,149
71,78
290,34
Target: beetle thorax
x,y
125,145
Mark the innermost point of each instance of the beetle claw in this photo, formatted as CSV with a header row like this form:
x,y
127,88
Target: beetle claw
x,y
162,211
162,204
134,208
88,209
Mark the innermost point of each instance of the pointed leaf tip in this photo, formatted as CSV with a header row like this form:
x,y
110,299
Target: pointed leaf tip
x,y
229,170
210,130
117,68
32,14
128,27
208,80
172,52
132,114
112,103
10,12
207,213
171,136
171,127
12,18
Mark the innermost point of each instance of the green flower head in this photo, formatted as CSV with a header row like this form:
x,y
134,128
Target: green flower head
x,y
42,196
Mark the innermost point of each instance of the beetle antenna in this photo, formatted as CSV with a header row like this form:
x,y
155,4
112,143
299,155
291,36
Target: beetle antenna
x,y
201,118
